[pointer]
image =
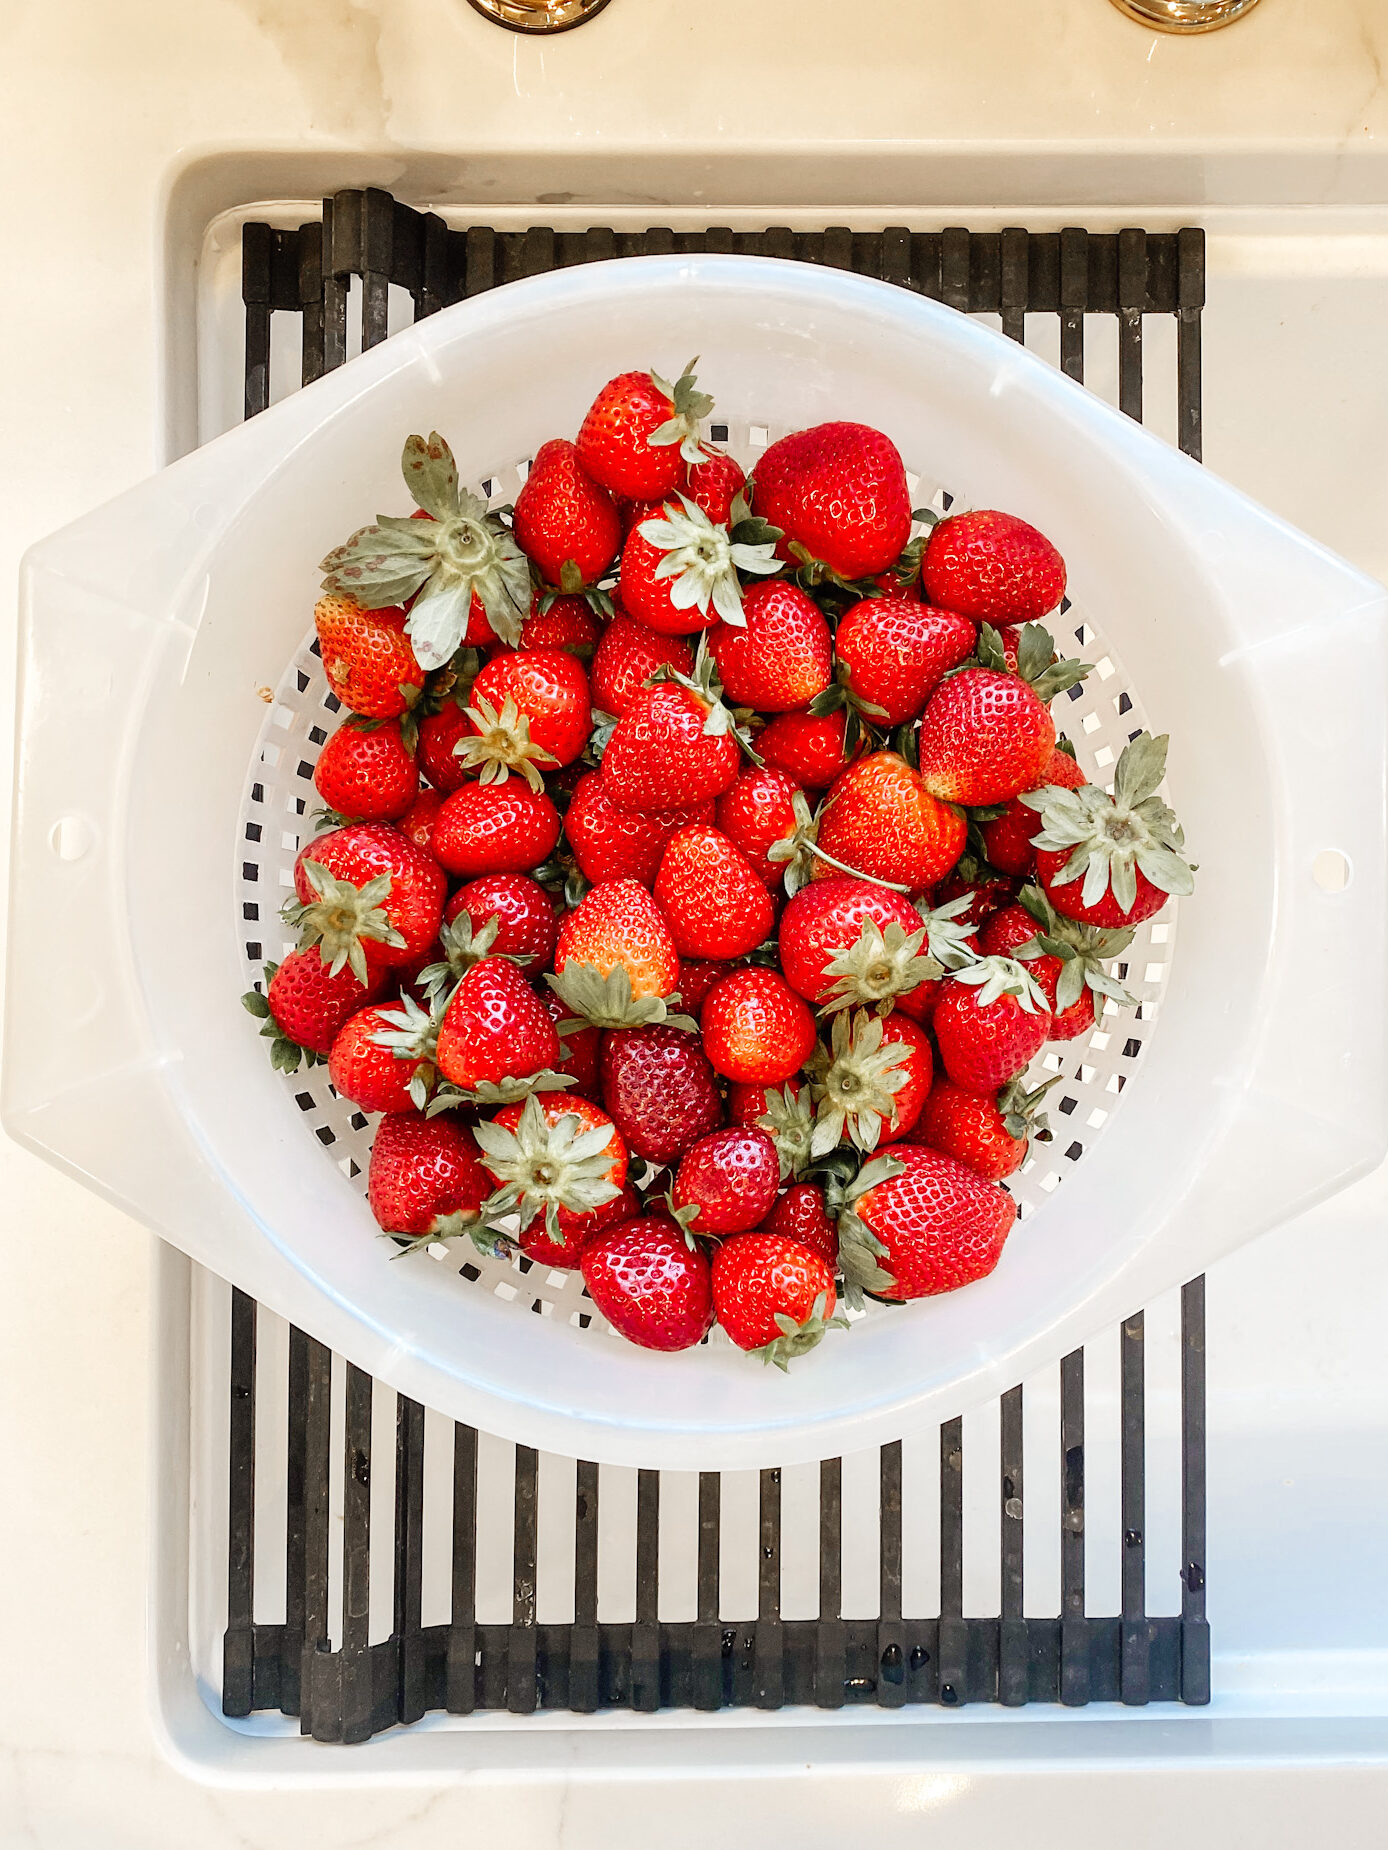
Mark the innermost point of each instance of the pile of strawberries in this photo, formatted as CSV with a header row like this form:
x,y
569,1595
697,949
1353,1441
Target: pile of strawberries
x,y
701,870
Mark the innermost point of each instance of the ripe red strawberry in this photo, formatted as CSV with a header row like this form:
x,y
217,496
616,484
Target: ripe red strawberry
x,y
671,747
627,655
727,1181
893,651
304,1005
992,567
640,433
494,1028
680,570
808,747
548,690
424,1177
568,623
363,1066
1067,960
772,1295
696,980
713,899
714,483
367,657
839,492
990,1022
852,942
615,931
873,1079
799,1214
987,1134
621,844
368,896
986,891
564,521
559,1161
756,812
577,1231
578,1046
782,657
881,821
659,1088
505,828
439,735
747,1104
984,737
1003,935
523,910
367,774
933,1228
1007,837
755,1028
418,820
648,1284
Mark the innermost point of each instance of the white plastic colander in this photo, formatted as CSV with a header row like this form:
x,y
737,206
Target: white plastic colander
x,y
161,806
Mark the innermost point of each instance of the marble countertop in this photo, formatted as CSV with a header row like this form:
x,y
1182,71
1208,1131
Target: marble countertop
x,y
108,110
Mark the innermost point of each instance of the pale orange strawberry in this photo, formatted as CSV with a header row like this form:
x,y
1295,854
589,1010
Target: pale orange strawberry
x,y
367,657
616,959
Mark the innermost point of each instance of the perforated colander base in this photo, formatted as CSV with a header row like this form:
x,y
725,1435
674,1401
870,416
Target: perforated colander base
x,y
1099,716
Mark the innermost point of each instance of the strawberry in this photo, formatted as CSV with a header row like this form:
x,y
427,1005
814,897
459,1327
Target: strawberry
x,y
579,1046
871,1080
799,1214
627,655
784,1112
418,821
439,736
1007,838
713,899
1065,959
853,944
557,1159
547,692
367,895
676,744
504,828
919,1223
366,772
565,522
640,434
616,960
367,657
782,656
378,1054
838,493
424,1178
726,1182
773,1296
494,1028
984,737
1128,847
892,652
808,747
680,571
527,927
983,890
882,822
621,844
305,1004
756,812
987,1135
755,1028
648,1284
576,1232
566,623
441,566
658,1087
992,567
696,980
714,483
990,1022
951,941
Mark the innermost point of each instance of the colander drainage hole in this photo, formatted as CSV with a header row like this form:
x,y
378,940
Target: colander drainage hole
x,y
1331,870
70,838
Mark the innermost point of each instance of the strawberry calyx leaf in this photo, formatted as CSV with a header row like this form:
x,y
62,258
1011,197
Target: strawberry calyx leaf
x,y
688,407
342,918
607,1001
797,1339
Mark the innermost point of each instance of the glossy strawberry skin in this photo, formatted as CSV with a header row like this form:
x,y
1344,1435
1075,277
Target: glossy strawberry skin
x,y
983,1046
1106,913
883,821
714,483
367,657
798,1213
1007,838
731,1176
714,900
747,1103
619,923
422,1169
361,851
969,1127
583,1045
992,567
943,1226
370,1075
621,844
369,776
984,737
494,1028
567,624
550,689
310,1006
755,1028
896,650
784,655
648,597
648,1284
755,813
808,748
627,655
563,515
660,757
840,490
697,978
659,1089
614,439
439,734
504,828
919,1068
826,918
757,1276
528,927
577,1232
418,821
